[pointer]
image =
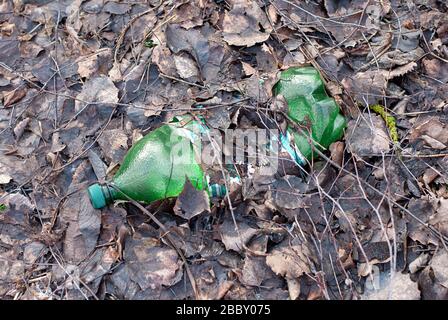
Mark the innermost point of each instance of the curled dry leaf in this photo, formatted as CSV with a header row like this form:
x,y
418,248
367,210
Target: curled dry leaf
x,y
241,25
83,226
189,14
19,129
426,207
164,60
433,143
100,91
391,59
439,265
368,136
418,263
369,88
151,264
290,260
11,97
98,166
288,192
186,67
432,131
114,145
234,239
191,202
337,152
254,271
3,81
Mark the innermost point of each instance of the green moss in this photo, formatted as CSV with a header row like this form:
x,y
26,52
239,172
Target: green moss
x,y
388,119
2,207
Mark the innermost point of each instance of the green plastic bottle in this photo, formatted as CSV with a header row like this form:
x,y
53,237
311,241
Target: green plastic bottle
x,y
311,107
158,165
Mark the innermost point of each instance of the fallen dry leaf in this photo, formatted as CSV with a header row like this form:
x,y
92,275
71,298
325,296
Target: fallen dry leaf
x,y
293,288
233,239
439,264
418,263
368,136
254,271
81,81
440,218
14,96
191,41
288,192
186,67
11,271
241,24
83,227
189,15
164,60
400,288
191,202
432,131
426,207
290,260
81,220
151,264
100,91
367,87
114,145
436,69
5,178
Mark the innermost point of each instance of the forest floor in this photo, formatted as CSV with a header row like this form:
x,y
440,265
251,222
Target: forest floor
x,y
81,81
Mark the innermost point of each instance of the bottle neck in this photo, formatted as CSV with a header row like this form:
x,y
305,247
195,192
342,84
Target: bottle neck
x,y
110,194
217,190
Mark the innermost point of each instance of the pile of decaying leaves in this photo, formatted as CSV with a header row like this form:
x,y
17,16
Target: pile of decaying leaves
x,y
80,81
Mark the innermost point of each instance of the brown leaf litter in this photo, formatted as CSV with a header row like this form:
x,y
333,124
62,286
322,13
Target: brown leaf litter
x,y
81,81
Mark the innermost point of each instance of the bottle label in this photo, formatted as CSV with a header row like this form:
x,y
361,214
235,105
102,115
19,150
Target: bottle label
x,y
292,149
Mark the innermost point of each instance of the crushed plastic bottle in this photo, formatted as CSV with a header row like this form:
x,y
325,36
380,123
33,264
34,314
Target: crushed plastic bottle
x,y
310,107
152,171
158,165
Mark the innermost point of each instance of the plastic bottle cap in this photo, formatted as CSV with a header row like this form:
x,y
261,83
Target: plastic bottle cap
x,y
96,196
